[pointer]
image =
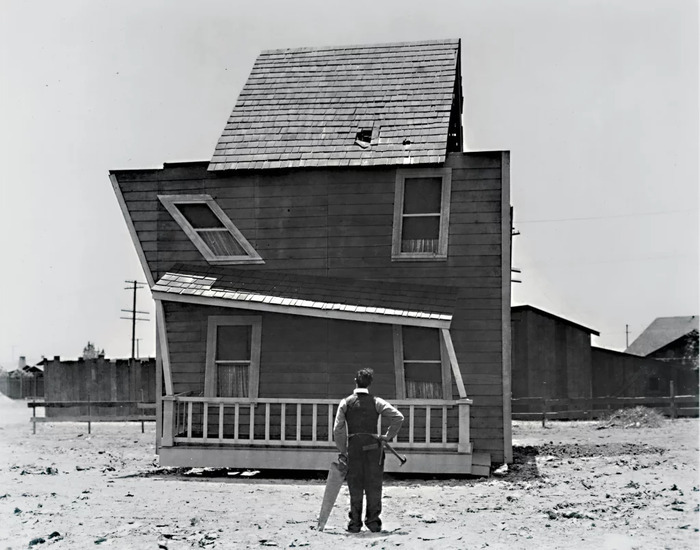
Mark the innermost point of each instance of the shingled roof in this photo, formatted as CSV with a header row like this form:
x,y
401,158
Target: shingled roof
x,y
661,332
346,106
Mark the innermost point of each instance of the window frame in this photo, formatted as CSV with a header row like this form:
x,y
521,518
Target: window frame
x,y
170,202
211,372
399,362
444,224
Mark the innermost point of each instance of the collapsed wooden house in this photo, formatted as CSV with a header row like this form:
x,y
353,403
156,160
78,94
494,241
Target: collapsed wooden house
x,y
338,225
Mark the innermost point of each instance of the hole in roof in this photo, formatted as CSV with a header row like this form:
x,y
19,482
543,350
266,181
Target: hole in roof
x,y
363,138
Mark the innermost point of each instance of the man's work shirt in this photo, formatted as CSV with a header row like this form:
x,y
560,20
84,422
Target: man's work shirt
x,y
384,409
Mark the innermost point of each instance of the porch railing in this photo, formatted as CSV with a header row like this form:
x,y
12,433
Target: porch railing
x,y
429,424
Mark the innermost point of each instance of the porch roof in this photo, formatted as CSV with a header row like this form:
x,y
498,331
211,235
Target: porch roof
x,y
312,296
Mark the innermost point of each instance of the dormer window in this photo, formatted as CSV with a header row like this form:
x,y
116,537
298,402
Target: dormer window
x,y
421,214
210,229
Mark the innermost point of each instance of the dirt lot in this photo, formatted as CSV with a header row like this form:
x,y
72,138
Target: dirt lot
x,y
573,485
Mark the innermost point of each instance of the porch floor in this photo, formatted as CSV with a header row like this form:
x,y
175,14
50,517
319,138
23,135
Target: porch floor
x,y
419,462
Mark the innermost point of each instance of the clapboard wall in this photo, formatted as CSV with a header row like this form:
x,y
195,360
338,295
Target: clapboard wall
x,y
338,222
551,356
618,374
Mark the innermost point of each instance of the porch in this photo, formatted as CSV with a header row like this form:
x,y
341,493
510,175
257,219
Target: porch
x,y
267,433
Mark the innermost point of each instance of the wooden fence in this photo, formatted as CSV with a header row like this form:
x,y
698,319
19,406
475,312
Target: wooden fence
x,y
21,386
146,412
98,387
535,408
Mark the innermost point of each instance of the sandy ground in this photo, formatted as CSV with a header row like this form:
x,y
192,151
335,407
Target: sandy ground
x,y
572,485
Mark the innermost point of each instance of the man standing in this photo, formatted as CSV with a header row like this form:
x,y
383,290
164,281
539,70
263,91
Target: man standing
x,y
355,432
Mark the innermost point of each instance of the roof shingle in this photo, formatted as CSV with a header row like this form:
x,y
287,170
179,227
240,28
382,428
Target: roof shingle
x,y
304,107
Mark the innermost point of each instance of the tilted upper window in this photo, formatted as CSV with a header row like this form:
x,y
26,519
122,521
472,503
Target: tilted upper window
x,y
210,229
421,214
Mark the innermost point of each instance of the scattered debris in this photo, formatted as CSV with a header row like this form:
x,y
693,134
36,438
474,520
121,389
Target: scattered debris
x,y
501,470
636,417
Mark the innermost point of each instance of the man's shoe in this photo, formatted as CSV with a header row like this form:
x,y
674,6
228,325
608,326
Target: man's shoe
x,y
352,528
374,528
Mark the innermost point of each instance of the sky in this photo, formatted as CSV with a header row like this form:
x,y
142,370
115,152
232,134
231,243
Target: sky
x,y
597,100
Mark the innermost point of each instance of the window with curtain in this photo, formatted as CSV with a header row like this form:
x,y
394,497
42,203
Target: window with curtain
x,y
210,229
233,347
233,356
421,212
422,363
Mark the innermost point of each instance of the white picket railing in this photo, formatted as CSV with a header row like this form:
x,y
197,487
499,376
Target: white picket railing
x,y
287,422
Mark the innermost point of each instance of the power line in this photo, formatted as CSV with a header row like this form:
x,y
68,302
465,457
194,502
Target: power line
x,y
134,312
607,217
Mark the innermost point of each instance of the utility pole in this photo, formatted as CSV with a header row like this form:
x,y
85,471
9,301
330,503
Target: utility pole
x,y
627,336
135,285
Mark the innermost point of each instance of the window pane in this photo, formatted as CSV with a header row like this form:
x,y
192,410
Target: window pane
x,y
233,342
422,195
222,243
420,234
421,344
200,216
233,381
423,380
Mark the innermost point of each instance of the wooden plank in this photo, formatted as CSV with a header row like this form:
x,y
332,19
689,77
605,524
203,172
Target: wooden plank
x,y
205,421
400,376
330,422
189,422
283,421
132,230
449,347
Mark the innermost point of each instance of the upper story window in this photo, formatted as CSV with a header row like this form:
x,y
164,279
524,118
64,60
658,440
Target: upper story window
x,y
421,214
210,229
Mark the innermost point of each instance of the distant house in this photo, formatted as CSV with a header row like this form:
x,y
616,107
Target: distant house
x,y
673,341
551,355
668,338
337,225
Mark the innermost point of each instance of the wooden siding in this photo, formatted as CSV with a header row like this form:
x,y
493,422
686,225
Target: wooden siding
x,y
338,222
551,358
617,374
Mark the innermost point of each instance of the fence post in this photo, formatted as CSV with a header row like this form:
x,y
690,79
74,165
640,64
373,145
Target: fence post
x,y
34,415
89,408
544,412
673,401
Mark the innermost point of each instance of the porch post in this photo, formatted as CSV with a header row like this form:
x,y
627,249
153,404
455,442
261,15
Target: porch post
x,y
464,446
168,420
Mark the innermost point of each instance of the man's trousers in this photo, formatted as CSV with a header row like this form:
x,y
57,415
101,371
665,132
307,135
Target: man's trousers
x,y
365,473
